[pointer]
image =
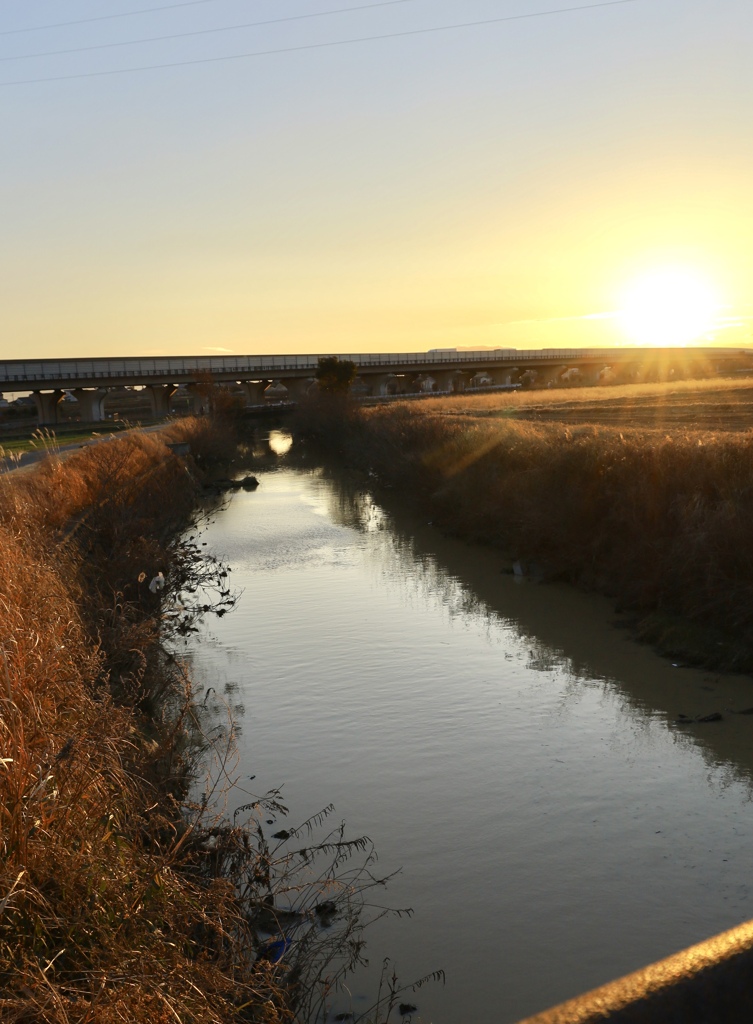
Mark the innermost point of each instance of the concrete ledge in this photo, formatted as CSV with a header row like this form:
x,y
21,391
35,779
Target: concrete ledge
x,y
180,448
711,983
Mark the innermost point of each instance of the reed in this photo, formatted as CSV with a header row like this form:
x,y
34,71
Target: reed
x,y
502,403
122,899
97,915
98,919
658,520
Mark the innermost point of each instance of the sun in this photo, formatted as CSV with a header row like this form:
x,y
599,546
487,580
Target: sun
x,y
669,306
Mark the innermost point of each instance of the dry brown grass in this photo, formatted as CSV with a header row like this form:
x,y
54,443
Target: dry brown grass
x,y
210,437
611,392
120,900
658,519
107,910
718,404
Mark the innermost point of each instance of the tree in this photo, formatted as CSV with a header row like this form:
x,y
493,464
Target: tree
x,y
335,375
215,399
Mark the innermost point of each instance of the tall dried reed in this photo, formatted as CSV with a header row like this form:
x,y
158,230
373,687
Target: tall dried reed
x,y
100,917
501,403
660,521
120,900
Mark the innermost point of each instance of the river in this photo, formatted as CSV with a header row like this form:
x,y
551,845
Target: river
x,y
503,742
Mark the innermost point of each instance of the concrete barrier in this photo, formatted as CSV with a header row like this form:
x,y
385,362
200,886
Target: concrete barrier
x,y
711,983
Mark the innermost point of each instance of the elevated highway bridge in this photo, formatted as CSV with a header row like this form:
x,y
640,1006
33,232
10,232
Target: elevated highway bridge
x,y
439,370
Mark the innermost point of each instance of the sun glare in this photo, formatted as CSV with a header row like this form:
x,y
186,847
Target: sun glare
x,y
669,306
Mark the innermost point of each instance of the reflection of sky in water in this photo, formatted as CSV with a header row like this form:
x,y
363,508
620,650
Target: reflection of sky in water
x,y
420,577
500,742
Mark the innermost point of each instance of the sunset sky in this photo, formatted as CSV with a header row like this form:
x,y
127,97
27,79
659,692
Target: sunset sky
x,y
516,183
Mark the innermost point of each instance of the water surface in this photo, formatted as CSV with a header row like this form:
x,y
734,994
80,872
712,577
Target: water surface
x,y
501,741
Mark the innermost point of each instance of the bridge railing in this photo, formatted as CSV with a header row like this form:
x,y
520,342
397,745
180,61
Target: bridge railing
x,y
54,369
38,371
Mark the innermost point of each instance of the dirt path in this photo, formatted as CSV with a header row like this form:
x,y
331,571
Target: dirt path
x,y
27,460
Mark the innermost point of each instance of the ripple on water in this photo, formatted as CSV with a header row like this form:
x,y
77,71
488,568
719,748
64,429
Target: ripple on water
x,y
503,743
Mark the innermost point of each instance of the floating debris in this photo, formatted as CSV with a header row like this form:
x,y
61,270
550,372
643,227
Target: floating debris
x,y
715,716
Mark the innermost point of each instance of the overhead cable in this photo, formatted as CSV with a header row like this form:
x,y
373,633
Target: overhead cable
x,y
103,17
318,46
207,31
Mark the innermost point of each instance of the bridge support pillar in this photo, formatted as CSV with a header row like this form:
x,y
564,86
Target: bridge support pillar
x,y
552,375
201,398
90,404
298,387
629,373
382,383
483,379
451,380
507,375
254,390
47,403
425,383
159,396
592,374
572,375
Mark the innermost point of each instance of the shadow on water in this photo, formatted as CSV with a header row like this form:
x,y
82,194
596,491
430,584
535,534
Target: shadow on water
x,y
566,630
504,741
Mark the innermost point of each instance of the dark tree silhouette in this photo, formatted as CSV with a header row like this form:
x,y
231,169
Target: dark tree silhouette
x,y
335,375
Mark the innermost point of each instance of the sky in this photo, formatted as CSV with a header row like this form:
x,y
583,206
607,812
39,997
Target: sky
x,y
347,181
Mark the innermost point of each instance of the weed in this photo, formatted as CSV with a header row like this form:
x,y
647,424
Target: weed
x,y
120,898
659,520
102,917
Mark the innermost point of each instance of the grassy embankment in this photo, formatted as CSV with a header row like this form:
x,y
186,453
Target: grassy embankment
x,y
657,516
118,900
101,921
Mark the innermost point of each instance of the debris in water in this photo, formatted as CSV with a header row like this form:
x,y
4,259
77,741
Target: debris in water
x,y
158,583
326,913
275,951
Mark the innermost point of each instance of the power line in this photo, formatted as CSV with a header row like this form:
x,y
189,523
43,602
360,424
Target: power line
x,y
103,17
206,31
319,46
